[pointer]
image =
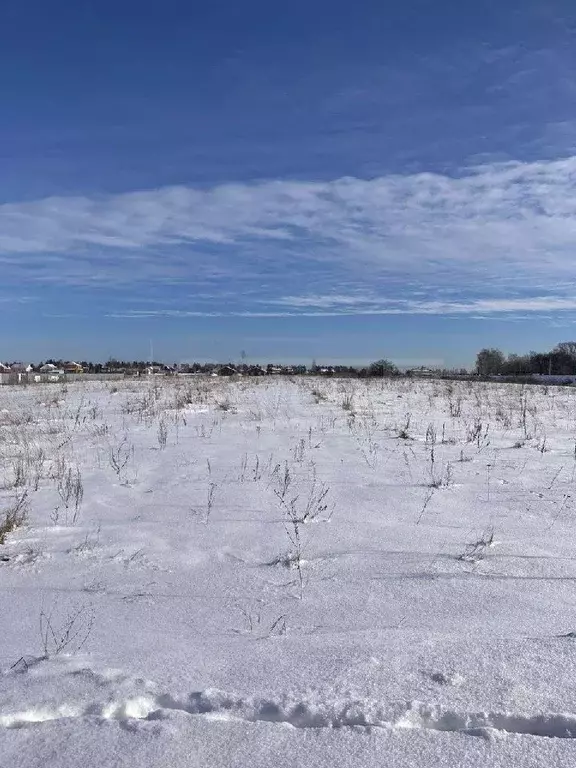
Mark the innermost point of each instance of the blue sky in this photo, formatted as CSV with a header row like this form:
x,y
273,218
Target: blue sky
x,y
329,180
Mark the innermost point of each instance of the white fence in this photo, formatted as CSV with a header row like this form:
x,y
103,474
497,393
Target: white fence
x,y
47,378
29,378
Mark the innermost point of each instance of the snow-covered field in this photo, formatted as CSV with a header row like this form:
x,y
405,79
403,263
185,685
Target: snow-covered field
x,y
280,573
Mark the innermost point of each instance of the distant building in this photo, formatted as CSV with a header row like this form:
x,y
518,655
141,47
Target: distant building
x,y
422,372
21,368
164,370
227,370
72,367
18,374
6,375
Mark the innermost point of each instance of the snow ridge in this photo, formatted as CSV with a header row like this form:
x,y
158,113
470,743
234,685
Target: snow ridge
x,y
215,704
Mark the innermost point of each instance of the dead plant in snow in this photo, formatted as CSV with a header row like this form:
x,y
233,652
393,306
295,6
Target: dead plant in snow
x,y
69,634
294,558
19,472
119,457
71,491
427,501
443,479
14,516
477,550
364,434
206,510
303,508
162,435
348,402
298,510
404,431
260,626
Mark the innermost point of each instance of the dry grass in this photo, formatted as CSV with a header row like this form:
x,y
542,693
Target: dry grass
x,y
14,516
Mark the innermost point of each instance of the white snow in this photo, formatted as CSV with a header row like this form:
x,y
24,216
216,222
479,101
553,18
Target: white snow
x,y
284,572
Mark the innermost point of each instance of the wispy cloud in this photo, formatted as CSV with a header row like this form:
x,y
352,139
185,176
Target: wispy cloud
x,y
11,300
387,245
324,307
508,199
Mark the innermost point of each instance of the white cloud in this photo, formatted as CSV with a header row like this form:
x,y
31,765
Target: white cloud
x,y
10,300
328,301
507,199
491,306
324,306
508,224
370,305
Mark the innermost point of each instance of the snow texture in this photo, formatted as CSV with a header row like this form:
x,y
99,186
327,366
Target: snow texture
x,y
287,572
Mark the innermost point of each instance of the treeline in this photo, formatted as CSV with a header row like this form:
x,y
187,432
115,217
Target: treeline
x,y
109,366
560,361
379,368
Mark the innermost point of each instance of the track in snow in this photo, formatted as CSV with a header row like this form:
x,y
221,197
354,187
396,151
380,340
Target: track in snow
x,y
216,704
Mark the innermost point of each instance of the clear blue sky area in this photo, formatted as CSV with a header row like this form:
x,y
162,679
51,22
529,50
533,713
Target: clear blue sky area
x,y
331,180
